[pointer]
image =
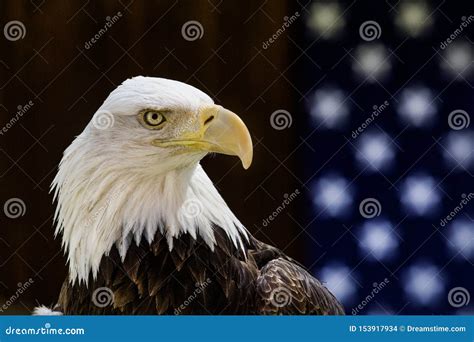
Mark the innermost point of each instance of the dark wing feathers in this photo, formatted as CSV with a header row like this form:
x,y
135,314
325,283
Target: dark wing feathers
x,y
285,288
193,279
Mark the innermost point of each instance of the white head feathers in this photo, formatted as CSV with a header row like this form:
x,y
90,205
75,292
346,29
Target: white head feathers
x,y
114,187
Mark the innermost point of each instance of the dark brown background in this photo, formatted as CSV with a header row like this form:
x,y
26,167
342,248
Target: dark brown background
x,y
67,83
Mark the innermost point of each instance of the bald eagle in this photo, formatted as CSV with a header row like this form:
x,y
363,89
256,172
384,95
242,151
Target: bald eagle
x,y
144,229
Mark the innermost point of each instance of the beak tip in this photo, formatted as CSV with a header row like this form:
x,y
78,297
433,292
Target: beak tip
x,y
247,161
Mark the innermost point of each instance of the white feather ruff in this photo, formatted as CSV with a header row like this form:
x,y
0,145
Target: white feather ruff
x,y
45,311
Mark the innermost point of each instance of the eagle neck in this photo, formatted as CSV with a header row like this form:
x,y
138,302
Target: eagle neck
x,y
97,213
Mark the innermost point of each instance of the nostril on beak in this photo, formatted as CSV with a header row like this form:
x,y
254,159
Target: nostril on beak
x,y
209,119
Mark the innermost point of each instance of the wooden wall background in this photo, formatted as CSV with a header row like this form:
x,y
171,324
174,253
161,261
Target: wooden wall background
x,y
66,82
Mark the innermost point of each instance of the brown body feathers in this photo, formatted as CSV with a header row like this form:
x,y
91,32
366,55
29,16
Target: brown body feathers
x,y
193,279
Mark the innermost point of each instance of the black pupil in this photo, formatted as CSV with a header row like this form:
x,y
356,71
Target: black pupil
x,y
154,116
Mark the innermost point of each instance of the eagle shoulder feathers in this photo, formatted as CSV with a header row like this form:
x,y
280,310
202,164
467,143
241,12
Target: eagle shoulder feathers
x,y
193,279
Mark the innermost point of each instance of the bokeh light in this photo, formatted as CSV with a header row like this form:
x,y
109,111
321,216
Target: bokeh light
x,y
461,238
417,107
371,62
325,19
337,278
378,239
458,150
414,18
458,60
375,152
329,108
332,196
420,195
423,284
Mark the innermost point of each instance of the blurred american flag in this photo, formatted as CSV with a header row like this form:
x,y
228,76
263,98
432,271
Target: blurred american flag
x,y
386,91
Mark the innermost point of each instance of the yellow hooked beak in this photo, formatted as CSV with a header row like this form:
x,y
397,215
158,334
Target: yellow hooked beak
x,y
220,131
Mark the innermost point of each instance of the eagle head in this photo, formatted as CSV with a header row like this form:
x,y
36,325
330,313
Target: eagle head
x,y
135,170
160,125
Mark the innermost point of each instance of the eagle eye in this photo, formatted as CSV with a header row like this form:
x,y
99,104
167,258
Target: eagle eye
x,y
152,119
